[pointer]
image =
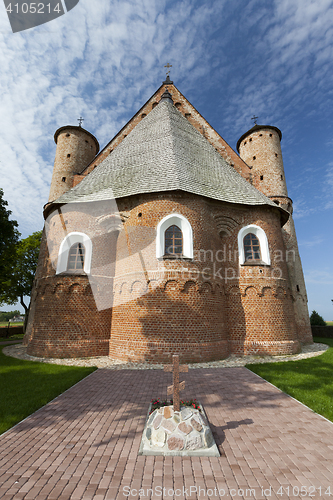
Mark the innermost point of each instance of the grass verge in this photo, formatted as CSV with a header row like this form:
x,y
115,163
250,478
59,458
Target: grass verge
x,y
307,380
4,324
26,386
17,336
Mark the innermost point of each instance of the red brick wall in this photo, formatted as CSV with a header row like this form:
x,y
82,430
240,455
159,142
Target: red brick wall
x,y
201,309
67,322
198,324
65,319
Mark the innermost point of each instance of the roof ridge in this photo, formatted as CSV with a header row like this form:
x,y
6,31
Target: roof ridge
x,y
169,107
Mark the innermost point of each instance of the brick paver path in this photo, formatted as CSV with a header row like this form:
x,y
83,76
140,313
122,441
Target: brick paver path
x,y
84,444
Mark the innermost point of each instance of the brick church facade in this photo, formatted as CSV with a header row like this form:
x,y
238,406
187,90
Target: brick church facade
x,y
168,242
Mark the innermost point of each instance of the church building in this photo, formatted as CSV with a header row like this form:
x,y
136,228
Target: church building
x,y
167,242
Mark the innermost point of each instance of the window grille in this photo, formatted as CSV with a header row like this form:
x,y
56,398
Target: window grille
x,y
173,241
251,247
76,257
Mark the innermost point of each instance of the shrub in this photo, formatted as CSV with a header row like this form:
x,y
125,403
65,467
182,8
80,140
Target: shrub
x,y
156,403
316,319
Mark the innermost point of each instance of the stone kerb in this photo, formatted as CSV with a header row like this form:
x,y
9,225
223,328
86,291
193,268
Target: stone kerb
x,y
172,433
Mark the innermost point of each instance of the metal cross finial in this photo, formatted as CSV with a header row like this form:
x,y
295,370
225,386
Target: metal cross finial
x,y
168,66
177,386
254,118
80,120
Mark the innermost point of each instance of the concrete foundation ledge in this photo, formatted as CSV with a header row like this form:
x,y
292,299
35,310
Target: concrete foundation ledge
x,y
68,348
264,348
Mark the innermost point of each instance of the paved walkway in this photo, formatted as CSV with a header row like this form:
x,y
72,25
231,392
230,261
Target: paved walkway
x,y
84,444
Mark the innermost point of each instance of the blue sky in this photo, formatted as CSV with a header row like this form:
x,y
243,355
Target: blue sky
x,y
104,59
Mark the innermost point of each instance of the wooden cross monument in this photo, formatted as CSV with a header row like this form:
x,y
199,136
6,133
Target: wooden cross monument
x,y
176,387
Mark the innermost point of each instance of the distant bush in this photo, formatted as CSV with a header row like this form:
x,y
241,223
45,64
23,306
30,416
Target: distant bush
x,y
316,319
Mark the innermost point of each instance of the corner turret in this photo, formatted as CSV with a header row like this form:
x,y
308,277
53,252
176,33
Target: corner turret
x,y
76,148
260,148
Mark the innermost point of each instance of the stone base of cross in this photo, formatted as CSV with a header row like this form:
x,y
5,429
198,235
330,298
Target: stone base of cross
x,y
176,387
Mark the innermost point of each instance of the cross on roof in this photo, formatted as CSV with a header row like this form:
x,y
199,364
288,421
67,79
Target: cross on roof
x,y
176,387
80,120
168,66
254,118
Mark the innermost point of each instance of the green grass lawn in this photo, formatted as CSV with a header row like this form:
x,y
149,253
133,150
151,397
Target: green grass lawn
x,y
26,386
308,380
329,323
17,336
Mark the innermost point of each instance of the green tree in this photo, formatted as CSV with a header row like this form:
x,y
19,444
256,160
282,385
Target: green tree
x,y
26,259
316,319
7,315
9,237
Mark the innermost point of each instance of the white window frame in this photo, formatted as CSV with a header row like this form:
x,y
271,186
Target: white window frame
x,y
186,229
264,249
70,240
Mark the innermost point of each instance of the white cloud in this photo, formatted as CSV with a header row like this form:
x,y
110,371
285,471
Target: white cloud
x,y
103,60
312,242
320,276
301,208
286,63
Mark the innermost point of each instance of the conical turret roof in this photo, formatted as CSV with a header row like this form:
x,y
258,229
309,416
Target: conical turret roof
x,y
164,152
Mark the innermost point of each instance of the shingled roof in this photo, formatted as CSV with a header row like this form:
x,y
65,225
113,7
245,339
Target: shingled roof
x,y
164,152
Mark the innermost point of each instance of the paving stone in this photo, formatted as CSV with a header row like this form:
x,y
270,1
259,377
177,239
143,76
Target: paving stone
x,y
185,428
157,421
169,425
193,442
203,419
196,424
158,437
151,417
208,438
175,443
186,413
168,412
176,418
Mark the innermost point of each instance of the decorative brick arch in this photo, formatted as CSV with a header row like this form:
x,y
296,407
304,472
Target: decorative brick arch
x,y
250,291
190,286
70,240
184,226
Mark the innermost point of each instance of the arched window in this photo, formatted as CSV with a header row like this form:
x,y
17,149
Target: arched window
x,y
174,237
173,241
253,246
76,257
75,254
